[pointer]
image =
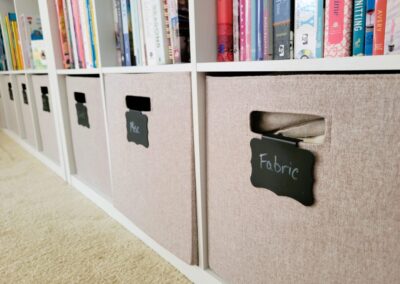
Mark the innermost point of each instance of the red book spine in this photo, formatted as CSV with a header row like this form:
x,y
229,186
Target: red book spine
x,y
225,30
379,28
62,29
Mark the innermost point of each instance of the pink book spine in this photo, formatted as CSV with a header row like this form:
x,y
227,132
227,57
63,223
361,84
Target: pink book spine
x,y
338,28
78,33
247,24
242,29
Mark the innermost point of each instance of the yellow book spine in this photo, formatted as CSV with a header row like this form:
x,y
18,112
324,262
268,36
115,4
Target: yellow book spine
x,y
19,47
96,48
15,45
10,40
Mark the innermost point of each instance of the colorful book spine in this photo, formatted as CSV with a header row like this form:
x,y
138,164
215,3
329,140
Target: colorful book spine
x,y
168,31
392,30
236,36
242,30
174,30
92,32
78,33
62,30
85,33
309,29
3,51
338,29
260,30
11,44
254,30
379,28
267,29
17,43
6,43
359,13
283,29
369,27
225,30
71,25
125,32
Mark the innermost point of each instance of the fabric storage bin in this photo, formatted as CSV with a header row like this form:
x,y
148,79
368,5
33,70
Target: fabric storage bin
x,y
3,120
9,93
351,232
26,109
88,128
152,159
47,125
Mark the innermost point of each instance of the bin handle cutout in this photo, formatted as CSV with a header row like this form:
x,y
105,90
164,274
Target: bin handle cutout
x,y
303,127
80,97
10,91
138,103
24,94
44,90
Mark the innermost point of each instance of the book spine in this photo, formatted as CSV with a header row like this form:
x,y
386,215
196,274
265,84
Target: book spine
x,y
254,30
392,30
283,29
74,46
184,30
161,37
92,32
68,26
136,31
131,42
11,44
338,30
78,33
83,10
141,30
63,34
359,13
379,28
149,32
260,30
26,39
225,30
242,30
117,30
6,43
248,29
267,29
17,42
236,48
369,27
125,32
174,30
320,29
168,32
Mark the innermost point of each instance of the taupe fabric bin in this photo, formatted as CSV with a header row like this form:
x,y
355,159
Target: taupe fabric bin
x,y
3,120
46,117
351,234
89,141
26,109
154,186
10,105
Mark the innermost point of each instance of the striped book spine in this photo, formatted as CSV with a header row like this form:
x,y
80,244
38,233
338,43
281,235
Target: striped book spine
x,y
242,30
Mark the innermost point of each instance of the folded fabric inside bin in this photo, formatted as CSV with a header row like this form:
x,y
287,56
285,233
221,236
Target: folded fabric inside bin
x,y
304,130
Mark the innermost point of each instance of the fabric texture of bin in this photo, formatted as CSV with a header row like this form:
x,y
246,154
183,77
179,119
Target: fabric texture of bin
x,y
47,125
3,119
89,140
153,184
26,109
351,234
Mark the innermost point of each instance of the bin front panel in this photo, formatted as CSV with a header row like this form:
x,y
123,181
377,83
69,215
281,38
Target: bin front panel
x,y
153,181
26,108
9,104
46,117
89,141
351,233
3,120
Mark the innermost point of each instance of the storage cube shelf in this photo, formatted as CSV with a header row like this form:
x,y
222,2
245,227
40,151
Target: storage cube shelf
x,y
55,134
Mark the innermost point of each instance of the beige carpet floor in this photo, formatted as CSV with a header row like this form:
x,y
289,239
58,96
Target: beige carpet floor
x,y
50,233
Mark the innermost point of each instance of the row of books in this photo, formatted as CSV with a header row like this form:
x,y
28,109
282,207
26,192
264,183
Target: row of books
x,y
78,36
286,29
11,47
151,32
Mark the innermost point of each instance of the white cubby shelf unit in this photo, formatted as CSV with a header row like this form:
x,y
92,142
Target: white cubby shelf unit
x,y
203,40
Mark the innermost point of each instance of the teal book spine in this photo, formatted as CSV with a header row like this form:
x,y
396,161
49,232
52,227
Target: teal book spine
x,y
359,13
254,30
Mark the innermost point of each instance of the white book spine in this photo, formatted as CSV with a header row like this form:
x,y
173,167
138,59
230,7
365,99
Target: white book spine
x,y
85,34
149,31
161,37
26,41
135,30
73,37
141,33
392,30
236,30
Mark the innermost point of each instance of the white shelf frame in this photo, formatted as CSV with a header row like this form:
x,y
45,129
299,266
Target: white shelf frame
x,y
203,52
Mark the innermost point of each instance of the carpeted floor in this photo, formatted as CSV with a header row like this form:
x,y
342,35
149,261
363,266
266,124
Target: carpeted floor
x,y
50,233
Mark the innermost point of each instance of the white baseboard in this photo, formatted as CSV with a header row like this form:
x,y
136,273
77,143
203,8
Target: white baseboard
x,y
38,155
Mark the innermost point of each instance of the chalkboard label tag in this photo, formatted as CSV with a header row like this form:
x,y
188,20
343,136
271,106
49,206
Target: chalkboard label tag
x,y
81,109
24,94
136,121
280,166
45,99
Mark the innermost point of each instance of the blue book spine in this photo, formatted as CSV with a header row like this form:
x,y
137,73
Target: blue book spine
x,y
125,31
260,29
359,14
283,29
253,30
91,33
319,48
369,26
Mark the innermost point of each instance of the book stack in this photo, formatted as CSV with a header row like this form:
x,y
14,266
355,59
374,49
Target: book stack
x,y
11,46
78,37
151,32
287,29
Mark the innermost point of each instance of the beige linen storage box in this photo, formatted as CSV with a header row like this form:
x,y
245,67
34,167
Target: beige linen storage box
x,y
351,233
45,112
26,110
10,96
3,120
87,119
153,172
